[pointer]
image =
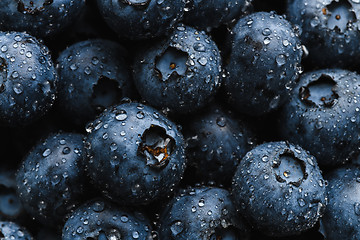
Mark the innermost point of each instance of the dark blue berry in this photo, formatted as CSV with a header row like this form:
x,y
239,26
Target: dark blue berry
x,y
323,115
102,220
27,79
264,63
10,205
216,143
93,75
279,189
141,19
341,216
329,30
136,154
51,179
181,73
201,213
41,18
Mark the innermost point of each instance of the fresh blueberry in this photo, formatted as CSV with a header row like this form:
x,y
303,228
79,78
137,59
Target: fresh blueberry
x,y
341,217
10,230
10,205
41,18
329,30
181,73
216,143
201,213
93,75
51,179
101,220
323,115
206,15
279,189
136,154
264,63
27,79
141,19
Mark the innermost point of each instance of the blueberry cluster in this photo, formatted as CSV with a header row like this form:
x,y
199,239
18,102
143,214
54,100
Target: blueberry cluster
x,y
180,119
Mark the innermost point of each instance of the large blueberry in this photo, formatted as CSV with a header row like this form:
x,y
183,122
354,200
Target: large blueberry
x,y
264,63
201,213
141,19
216,141
51,179
136,154
27,79
93,75
102,220
41,18
341,217
330,30
279,189
323,115
181,73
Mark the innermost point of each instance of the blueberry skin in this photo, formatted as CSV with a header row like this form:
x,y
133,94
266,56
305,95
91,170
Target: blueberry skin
x,y
93,75
216,141
201,213
27,79
50,181
43,18
264,63
322,115
141,19
279,189
183,71
329,30
10,230
206,15
341,217
136,154
116,223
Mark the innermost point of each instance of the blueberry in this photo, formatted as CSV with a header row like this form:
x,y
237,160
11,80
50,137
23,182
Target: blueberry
x,y
341,217
206,15
51,179
201,213
279,189
264,63
322,115
10,205
329,30
141,19
136,154
41,18
93,75
101,220
27,79
10,230
216,143
183,71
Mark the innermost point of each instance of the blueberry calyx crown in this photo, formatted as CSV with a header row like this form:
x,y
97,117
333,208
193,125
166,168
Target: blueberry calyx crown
x,y
32,7
321,92
339,15
171,64
106,92
156,146
289,169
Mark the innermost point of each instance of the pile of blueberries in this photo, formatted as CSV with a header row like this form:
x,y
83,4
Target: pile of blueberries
x,y
180,119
